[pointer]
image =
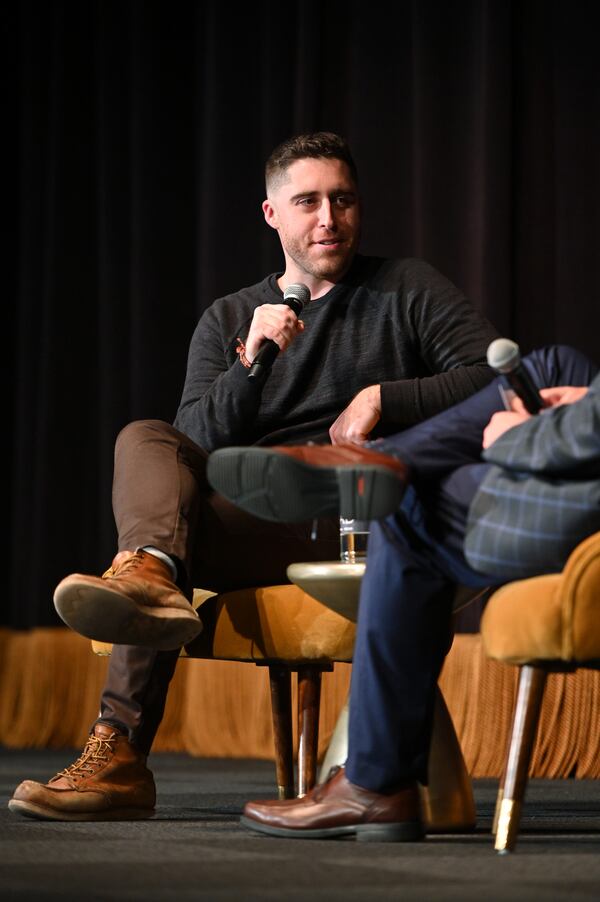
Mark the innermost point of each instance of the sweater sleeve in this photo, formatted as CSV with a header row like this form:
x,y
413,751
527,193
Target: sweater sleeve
x,y
219,403
451,339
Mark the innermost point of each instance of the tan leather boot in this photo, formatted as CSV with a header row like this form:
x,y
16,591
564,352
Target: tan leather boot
x,y
109,781
135,602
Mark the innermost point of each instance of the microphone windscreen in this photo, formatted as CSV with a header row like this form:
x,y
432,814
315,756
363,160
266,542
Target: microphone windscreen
x,y
503,355
298,294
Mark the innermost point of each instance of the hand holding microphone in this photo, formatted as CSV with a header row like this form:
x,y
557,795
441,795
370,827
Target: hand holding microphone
x,y
295,297
504,357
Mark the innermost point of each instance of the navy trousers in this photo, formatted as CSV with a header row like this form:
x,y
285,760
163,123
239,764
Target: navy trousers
x,y
414,562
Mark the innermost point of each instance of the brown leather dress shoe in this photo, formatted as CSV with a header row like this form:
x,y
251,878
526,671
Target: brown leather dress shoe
x,y
135,602
292,483
338,808
108,782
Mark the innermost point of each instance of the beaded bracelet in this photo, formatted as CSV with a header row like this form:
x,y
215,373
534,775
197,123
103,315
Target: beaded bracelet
x,y
241,350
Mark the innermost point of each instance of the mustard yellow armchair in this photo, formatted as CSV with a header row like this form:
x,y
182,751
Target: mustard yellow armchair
x,y
542,624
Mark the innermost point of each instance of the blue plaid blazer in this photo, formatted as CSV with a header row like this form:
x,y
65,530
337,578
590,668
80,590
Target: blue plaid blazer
x,y
541,497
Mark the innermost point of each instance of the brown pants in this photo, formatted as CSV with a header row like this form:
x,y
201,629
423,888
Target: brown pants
x,y
161,497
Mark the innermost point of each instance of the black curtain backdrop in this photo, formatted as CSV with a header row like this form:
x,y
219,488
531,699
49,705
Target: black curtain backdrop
x,y
136,134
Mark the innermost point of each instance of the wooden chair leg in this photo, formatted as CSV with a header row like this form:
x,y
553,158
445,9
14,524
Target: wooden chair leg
x,y
280,678
309,702
532,681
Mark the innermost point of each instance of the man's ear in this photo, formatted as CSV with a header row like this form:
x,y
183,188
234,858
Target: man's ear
x,y
270,214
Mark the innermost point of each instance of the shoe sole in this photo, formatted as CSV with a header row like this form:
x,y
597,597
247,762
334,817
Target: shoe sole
x,y
39,813
277,487
406,831
104,615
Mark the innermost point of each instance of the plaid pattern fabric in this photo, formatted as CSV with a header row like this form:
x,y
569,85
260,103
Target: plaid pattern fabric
x,y
542,496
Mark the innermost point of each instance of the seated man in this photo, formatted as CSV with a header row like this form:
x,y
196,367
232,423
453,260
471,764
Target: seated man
x,y
422,348
467,517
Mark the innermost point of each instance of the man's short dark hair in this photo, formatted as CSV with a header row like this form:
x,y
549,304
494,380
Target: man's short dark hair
x,y
316,145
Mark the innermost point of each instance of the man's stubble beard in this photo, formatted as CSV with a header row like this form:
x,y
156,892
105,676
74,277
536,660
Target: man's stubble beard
x,y
330,270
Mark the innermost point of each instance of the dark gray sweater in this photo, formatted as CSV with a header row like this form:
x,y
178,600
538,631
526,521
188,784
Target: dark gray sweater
x,y
398,323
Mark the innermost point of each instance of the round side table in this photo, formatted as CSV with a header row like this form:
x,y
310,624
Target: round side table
x,y
447,802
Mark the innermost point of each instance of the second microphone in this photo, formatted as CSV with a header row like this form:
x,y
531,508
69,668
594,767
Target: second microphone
x,y
504,356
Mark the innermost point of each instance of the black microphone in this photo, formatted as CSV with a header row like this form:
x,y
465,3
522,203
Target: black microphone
x,y
295,296
504,357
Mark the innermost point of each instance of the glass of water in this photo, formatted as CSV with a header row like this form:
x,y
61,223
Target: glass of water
x,y
354,535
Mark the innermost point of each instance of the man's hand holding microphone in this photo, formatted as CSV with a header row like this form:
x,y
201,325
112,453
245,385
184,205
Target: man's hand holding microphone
x,y
526,400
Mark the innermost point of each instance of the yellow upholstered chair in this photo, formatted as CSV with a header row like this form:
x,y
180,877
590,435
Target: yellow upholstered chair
x,y
542,624
286,629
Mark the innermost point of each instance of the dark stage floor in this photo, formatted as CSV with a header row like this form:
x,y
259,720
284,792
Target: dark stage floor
x,y
195,849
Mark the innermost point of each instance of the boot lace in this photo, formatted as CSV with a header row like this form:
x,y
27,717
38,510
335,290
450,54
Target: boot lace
x,y
95,755
126,566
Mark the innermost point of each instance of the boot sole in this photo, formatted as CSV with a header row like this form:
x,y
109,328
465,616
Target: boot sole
x,y
37,812
280,488
102,614
406,831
